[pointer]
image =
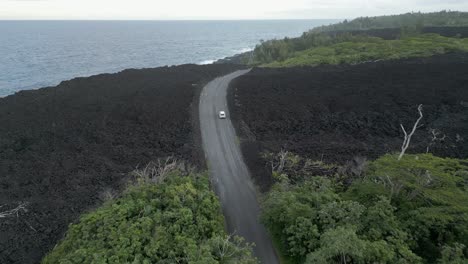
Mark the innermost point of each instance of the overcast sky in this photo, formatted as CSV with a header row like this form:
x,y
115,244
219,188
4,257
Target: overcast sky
x,y
216,9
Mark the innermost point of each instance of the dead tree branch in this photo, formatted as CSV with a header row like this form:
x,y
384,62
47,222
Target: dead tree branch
x,y
157,171
278,165
226,248
15,211
407,139
435,137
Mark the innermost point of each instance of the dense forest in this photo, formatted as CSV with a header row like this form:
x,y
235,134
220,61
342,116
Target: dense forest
x,y
412,210
408,20
409,27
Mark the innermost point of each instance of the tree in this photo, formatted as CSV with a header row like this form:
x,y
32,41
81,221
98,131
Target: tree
x,y
176,219
316,226
453,254
339,245
407,139
430,194
231,249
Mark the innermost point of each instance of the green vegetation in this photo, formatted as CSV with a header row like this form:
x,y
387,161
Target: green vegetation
x,y
430,193
409,211
279,50
175,221
348,42
436,19
362,49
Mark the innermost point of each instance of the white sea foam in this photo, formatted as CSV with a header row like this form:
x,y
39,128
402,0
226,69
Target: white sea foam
x,y
238,51
206,62
244,50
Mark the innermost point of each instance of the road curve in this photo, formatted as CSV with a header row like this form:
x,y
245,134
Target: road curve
x,y
228,171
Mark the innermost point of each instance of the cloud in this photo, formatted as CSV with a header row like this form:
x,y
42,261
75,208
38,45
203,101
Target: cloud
x,y
215,9
357,8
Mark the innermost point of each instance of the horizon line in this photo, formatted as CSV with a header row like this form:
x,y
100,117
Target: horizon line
x,y
228,19
188,19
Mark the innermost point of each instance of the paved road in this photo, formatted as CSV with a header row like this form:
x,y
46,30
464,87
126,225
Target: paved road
x,y
228,171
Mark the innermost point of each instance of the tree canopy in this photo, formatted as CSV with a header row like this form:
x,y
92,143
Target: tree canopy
x,y
176,221
414,19
365,49
362,39
408,211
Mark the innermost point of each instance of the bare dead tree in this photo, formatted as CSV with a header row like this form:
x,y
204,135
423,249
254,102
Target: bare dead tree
x,y
223,248
394,185
15,211
228,247
278,164
108,194
354,167
407,139
435,138
425,180
157,171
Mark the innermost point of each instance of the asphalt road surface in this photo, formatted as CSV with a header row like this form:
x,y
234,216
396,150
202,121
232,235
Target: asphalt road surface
x,y
228,171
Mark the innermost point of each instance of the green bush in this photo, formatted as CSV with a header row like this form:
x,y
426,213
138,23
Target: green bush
x,y
431,195
176,221
314,225
410,211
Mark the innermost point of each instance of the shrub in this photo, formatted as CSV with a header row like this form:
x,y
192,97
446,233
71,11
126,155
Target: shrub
x,y
431,195
175,221
409,211
313,224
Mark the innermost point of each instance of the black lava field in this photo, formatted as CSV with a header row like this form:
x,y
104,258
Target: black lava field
x,y
62,148
335,113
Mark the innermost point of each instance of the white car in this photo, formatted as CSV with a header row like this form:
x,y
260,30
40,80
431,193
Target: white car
x,y
222,115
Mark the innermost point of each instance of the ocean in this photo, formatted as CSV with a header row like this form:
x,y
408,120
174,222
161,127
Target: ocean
x,y
35,54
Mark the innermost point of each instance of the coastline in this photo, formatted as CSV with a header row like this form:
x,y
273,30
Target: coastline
x,y
52,83
65,50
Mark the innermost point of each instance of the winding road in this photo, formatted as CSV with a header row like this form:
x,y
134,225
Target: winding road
x,y
228,171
